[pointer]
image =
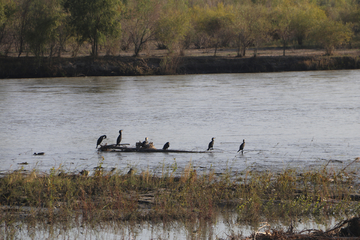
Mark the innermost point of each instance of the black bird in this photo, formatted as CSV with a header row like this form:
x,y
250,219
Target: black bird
x,y
118,140
100,140
131,172
145,143
211,144
241,148
166,146
84,172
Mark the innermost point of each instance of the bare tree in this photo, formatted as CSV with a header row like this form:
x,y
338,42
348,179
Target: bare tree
x,y
140,22
23,9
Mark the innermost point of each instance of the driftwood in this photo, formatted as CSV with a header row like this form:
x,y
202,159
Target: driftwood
x,y
345,230
121,148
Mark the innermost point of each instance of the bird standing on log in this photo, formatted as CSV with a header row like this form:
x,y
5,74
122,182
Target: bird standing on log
x,y
241,148
118,140
211,144
145,143
100,140
166,146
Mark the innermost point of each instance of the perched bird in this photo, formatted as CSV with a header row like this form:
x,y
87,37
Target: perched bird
x,y
145,143
84,172
211,144
241,148
166,146
100,140
131,172
118,140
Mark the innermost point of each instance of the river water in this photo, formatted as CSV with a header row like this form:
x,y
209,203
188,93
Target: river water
x,y
288,119
299,120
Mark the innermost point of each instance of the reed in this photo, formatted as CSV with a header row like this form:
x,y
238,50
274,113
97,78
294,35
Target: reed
x,y
60,197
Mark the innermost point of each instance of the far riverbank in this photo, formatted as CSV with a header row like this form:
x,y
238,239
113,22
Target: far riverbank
x,y
31,67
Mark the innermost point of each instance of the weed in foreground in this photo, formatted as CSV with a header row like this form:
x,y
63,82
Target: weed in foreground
x,y
76,200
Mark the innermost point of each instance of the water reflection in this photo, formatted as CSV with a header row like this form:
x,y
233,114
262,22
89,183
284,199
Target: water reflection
x,y
223,225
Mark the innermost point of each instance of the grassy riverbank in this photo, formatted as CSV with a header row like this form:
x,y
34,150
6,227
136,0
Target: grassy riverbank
x,y
65,198
269,61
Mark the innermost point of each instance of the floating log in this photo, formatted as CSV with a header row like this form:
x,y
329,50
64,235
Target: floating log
x,y
114,148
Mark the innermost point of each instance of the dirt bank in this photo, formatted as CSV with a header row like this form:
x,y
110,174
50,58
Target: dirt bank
x,y
30,67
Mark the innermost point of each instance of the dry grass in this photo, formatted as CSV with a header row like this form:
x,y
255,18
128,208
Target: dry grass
x,y
112,195
68,200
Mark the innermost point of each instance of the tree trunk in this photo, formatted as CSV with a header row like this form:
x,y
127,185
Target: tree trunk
x,y
238,52
94,44
21,46
284,47
137,50
138,44
23,16
255,51
300,40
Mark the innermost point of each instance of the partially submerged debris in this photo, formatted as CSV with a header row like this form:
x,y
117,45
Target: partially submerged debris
x,y
39,153
23,163
347,229
149,148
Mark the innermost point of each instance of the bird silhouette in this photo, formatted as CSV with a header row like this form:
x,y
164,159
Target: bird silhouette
x,y
166,146
118,140
84,172
241,148
211,144
101,138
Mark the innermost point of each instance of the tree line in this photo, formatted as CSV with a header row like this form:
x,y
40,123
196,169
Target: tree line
x,y
54,27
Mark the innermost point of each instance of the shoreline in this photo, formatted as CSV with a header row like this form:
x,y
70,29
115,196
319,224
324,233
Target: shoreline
x,y
31,67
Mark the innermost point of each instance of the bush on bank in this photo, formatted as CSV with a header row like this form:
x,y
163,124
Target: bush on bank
x,y
31,67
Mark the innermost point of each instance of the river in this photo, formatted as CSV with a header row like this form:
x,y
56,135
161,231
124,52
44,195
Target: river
x,y
300,120
288,119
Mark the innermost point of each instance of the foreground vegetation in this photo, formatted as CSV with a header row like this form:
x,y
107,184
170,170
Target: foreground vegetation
x,y
78,199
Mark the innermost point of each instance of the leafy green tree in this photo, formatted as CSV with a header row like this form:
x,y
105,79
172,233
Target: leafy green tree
x,y
43,20
260,27
304,18
196,34
2,12
22,21
63,32
3,19
172,26
250,27
331,34
216,24
7,10
281,18
94,19
350,15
